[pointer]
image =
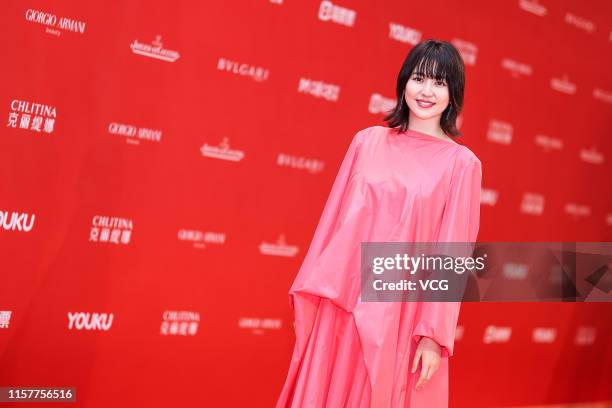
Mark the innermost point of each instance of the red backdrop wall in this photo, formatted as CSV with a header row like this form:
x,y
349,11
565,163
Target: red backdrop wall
x,y
163,166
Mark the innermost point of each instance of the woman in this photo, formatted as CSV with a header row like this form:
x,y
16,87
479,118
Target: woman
x,y
409,182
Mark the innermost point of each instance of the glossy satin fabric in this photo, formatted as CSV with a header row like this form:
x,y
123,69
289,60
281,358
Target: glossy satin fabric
x,y
406,187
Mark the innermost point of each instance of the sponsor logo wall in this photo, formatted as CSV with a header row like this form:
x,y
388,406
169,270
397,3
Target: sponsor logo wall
x,y
163,171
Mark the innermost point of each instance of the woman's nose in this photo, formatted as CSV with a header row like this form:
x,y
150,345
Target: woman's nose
x,y
427,87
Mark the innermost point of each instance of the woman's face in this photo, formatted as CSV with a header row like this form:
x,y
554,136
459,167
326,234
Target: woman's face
x,y
420,88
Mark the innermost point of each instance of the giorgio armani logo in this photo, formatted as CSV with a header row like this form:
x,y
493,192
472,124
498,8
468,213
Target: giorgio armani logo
x,y
259,325
200,239
154,50
516,68
134,135
53,23
548,143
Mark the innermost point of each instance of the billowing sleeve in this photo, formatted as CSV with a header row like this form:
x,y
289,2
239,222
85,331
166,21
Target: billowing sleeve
x,y
327,221
460,223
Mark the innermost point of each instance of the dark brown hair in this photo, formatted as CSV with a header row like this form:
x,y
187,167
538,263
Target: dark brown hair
x,y
439,60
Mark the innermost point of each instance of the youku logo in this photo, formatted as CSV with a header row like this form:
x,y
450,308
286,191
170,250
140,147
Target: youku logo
x,y
90,321
16,221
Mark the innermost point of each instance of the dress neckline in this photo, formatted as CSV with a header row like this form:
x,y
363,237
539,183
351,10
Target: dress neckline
x,y
428,136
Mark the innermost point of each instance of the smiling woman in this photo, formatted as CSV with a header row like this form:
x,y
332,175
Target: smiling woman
x,y
412,184
429,85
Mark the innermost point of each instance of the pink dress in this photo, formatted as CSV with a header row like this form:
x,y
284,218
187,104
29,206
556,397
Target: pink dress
x,y
404,187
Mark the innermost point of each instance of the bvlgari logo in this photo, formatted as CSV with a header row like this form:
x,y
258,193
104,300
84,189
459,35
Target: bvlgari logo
x,y
154,50
258,74
580,22
313,166
32,116
380,104
279,248
222,151
53,23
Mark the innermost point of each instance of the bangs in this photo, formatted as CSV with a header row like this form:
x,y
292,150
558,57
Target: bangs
x,y
434,66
